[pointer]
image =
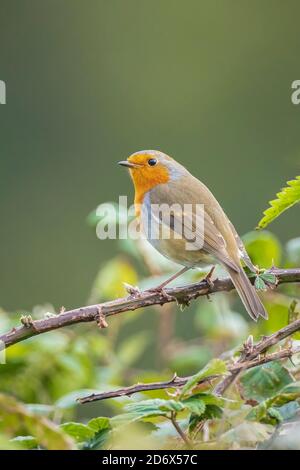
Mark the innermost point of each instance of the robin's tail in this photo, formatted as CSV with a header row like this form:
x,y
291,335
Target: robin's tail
x,y
248,294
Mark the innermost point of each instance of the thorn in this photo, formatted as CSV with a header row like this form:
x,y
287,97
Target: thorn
x,y
172,394
173,378
27,321
100,318
208,277
248,345
62,309
182,302
134,291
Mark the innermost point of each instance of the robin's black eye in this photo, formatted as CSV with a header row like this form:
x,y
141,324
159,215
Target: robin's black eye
x,y
152,161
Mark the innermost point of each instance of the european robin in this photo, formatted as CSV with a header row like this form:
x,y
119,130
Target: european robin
x,y
160,181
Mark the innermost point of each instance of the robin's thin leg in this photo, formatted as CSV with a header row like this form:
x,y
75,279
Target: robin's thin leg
x,y
161,286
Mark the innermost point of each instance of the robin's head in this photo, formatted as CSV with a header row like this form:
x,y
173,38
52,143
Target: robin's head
x,y
148,168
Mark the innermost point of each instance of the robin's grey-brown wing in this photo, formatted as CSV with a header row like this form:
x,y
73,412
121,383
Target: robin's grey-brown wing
x,y
219,237
190,221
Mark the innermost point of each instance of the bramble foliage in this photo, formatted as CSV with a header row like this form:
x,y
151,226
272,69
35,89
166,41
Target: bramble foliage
x,y
286,198
43,377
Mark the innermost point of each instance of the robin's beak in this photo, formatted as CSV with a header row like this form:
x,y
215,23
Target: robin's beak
x,y
128,164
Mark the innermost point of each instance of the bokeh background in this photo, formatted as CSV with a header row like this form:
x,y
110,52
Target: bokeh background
x,y
208,82
88,83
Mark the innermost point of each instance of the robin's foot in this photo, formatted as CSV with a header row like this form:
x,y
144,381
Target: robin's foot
x,y
161,286
208,277
160,290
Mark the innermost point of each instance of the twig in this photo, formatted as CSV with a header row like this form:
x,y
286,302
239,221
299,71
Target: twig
x,y
179,430
246,361
144,299
259,348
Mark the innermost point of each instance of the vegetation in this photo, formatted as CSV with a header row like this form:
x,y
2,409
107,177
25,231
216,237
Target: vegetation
x,y
235,394
286,198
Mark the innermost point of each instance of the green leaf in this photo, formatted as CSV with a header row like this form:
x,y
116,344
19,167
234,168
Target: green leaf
x,y
259,284
275,413
210,399
289,410
286,198
98,424
263,248
25,442
78,431
273,409
269,278
155,407
210,412
265,381
101,427
214,367
194,405
92,435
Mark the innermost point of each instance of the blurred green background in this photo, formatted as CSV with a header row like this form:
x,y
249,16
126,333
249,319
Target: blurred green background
x,y
208,82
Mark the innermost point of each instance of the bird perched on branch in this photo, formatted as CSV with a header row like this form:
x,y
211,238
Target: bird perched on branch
x,y
195,231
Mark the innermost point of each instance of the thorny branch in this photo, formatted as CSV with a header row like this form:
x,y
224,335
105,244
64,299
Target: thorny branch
x,y
251,356
99,313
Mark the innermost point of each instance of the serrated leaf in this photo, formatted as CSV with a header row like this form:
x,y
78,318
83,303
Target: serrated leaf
x,y
214,367
265,381
98,424
276,408
194,405
155,407
78,431
98,441
210,412
210,399
260,284
269,278
286,198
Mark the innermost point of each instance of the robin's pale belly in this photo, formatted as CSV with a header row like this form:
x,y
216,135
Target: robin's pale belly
x,y
176,251
164,240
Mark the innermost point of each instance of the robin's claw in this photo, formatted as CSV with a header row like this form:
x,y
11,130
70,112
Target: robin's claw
x,y
160,290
